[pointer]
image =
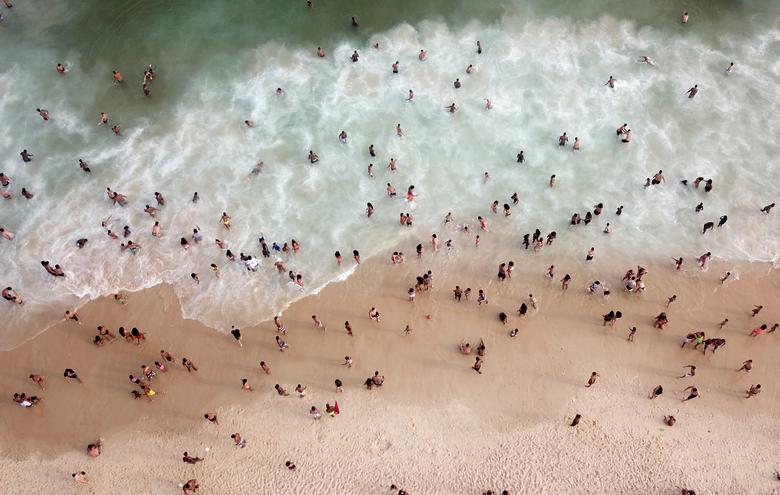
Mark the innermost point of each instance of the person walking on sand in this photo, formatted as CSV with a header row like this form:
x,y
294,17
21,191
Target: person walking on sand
x,y
565,282
631,333
189,365
656,392
478,365
236,335
761,330
186,457
694,392
238,440
190,487
69,375
753,390
281,344
756,310
592,379
691,371
373,314
39,380
246,386
746,366
317,322
80,478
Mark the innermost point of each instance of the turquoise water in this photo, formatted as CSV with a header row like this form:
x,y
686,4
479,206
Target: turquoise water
x,y
543,68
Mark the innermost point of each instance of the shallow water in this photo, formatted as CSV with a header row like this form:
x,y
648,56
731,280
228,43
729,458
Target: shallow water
x,y
543,67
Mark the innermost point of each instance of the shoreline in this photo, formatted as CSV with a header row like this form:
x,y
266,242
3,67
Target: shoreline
x,y
531,387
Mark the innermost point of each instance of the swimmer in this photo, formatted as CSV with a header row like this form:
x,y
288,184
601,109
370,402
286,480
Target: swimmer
x,y
563,139
729,69
479,48
693,91
249,123
411,96
395,67
611,82
118,79
684,18
43,113
646,60
313,158
422,55
10,295
355,56
452,108
488,105
320,52
61,69
343,137
767,209
469,69
577,144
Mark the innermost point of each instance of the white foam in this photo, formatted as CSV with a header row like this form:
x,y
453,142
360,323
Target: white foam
x,y
543,76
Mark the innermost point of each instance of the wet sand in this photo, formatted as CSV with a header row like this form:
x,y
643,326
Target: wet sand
x,y
436,426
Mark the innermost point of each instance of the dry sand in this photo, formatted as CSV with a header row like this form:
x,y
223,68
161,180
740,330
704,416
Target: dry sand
x,y
436,426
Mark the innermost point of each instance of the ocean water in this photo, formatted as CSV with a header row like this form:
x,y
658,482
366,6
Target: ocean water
x,y
543,66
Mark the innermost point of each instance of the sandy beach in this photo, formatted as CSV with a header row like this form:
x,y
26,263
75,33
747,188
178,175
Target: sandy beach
x,y
435,426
